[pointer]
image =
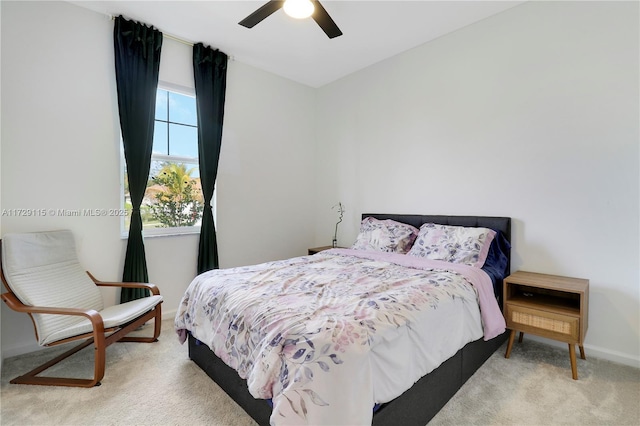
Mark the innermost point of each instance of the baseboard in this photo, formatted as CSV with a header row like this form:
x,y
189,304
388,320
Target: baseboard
x,y
595,352
20,350
613,356
168,315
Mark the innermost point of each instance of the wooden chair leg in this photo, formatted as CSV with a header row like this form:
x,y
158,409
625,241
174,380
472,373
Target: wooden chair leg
x,y
156,315
32,378
520,337
512,336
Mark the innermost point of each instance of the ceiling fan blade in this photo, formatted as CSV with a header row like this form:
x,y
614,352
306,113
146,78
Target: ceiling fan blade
x,y
323,19
264,11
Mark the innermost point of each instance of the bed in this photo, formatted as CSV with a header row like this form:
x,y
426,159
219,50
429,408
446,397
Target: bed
x,y
303,373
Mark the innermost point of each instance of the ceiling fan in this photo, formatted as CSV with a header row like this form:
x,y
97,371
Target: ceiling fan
x,y
308,8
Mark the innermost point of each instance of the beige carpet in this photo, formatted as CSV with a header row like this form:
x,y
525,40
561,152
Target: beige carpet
x,y
156,384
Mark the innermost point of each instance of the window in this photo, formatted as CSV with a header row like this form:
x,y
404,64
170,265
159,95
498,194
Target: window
x,y
173,201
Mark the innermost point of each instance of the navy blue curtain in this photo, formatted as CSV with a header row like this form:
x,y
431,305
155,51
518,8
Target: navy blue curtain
x,y
210,73
137,60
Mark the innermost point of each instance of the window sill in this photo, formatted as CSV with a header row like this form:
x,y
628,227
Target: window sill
x,y
172,232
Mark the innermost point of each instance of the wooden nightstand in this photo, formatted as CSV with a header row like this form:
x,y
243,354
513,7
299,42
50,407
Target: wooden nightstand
x,y
548,306
318,249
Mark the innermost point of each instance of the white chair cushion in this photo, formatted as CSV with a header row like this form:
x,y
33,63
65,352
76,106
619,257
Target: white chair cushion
x,y
112,316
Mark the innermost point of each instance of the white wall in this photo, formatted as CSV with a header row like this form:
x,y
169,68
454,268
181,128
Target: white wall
x,y
531,114
60,150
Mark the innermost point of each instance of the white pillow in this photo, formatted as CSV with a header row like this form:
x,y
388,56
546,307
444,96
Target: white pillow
x,y
385,235
454,244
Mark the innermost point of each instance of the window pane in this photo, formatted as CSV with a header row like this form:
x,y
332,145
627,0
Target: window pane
x,y
174,196
184,141
161,105
182,109
160,139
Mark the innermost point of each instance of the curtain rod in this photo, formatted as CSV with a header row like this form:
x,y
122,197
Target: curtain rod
x,y
175,38
178,39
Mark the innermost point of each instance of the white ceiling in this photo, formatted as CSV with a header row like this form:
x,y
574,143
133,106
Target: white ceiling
x,y
298,49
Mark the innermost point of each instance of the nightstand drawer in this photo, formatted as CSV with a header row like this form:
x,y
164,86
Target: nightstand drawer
x,y
546,324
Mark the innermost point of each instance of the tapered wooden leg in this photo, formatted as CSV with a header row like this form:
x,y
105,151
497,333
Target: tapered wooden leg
x,y
520,337
512,336
582,352
572,357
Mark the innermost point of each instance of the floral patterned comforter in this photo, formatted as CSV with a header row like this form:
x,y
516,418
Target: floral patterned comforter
x,y
327,336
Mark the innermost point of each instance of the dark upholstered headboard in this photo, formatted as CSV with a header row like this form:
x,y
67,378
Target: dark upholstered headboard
x,y
502,224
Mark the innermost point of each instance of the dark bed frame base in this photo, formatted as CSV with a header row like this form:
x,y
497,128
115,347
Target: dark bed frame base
x,y
419,404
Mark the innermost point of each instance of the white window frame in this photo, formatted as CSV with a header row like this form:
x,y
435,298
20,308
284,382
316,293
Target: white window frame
x,y
162,232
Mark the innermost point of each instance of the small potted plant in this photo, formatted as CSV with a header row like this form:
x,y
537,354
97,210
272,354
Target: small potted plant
x,y
340,209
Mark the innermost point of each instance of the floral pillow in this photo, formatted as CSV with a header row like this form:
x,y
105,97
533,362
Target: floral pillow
x,y
385,235
454,244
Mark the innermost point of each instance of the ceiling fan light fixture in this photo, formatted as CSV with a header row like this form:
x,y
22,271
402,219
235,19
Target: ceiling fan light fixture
x,y
311,8
298,9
